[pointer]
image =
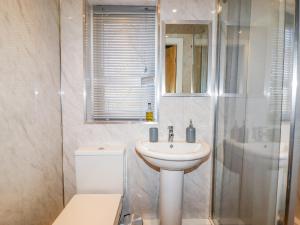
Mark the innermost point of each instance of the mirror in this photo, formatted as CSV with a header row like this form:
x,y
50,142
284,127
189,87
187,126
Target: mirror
x,y
186,58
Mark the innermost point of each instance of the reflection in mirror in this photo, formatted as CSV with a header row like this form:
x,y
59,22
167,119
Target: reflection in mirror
x,y
186,58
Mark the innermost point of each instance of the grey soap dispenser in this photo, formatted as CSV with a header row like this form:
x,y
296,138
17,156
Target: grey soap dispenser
x,y
190,133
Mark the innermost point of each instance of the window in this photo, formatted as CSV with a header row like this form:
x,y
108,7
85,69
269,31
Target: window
x,y
120,62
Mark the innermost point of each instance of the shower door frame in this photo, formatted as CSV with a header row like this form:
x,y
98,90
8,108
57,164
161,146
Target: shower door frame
x,y
294,156
216,107
217,88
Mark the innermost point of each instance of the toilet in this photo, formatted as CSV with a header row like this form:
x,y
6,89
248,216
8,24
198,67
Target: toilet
x,y
100,187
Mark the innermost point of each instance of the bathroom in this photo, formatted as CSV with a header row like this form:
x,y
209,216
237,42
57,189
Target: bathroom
x,y
80,143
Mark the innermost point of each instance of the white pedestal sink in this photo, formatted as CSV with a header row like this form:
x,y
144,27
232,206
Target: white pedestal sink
x,y
172,159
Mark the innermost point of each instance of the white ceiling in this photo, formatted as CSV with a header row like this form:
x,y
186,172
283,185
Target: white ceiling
x,y
122,2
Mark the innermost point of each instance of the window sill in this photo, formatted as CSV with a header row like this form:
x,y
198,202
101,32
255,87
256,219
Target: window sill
x,y
120,122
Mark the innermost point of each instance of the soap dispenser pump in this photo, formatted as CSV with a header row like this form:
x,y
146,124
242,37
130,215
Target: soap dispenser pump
x,y
190,133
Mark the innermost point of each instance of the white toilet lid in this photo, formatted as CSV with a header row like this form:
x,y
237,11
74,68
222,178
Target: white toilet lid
x,y
91,209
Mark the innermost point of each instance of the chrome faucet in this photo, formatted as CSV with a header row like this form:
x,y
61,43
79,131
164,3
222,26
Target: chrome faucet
x,y
171,134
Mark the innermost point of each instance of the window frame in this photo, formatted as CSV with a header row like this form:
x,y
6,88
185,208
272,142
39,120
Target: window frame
x,y
87,35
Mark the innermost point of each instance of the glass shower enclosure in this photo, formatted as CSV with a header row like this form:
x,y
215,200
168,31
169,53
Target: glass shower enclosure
x,y
253,108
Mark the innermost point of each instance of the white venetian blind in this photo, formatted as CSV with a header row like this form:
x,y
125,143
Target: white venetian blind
x,y
282,71
122,48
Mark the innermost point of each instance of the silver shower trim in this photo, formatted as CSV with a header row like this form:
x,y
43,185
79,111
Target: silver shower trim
x,y
294,154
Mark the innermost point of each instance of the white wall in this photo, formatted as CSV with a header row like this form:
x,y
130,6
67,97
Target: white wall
x,y
143,182
30,121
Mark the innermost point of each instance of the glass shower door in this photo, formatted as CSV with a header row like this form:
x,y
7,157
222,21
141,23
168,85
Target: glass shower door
x,y
250,155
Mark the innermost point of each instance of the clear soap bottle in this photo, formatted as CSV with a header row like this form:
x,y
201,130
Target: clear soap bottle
x,y
149,113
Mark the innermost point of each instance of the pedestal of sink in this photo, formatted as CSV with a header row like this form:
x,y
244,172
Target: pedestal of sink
x,y
170,197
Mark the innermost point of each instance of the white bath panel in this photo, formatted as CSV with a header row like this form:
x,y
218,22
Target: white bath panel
x,y
150,222
229,221
184,222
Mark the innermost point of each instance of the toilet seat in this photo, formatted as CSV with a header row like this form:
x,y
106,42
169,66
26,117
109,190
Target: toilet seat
x,y
91,209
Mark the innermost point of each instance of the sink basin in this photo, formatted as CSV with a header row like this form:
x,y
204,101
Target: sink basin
x,y
175,155
172,159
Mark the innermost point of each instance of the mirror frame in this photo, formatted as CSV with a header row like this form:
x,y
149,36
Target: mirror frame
x,y
163,51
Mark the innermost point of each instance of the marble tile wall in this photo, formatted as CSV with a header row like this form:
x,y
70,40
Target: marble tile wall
x,y
143,182
30,121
